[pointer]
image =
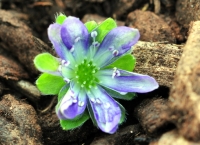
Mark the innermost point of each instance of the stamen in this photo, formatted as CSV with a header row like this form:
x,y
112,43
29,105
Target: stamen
x,y
95,44
66,80
98,101
94,34
65,63
92,100
111,48
60,68
115,52
107,105
74,101
71,93
123,93
81,104
115,72
77,39
72,49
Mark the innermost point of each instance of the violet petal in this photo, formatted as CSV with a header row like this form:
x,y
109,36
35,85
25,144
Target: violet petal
x,y
105,109
127,81
73,31
55,38
73,103
117,42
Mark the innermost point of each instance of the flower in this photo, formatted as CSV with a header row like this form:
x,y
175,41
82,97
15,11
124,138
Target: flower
x,y
83,65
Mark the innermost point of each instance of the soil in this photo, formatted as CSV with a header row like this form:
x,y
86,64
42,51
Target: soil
x,y
168,50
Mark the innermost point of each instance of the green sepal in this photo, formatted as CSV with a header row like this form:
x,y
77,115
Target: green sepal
x,y
128,96
123,113
103,29
46,62
74,123
60,18
126,62
70,123
49,84
91,25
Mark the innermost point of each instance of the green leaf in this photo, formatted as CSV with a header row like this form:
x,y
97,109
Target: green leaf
x,y
126,62
60,18
90,25
74,123
123,113
114,94
49,84
46,62
103,29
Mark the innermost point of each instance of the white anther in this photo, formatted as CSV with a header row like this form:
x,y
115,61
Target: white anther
x,y
115,72
72,49
92,100
74,101
60,68
77,39
65,63
95,44
115,52
66,80
94,34
71,93
107,105
111,48
81,104
123,93
98,101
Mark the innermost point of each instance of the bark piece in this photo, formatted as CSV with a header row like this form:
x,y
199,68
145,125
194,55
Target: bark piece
x,y
151,27
10,69
185,92
157,60
17,38
187,11
173,138
123,136
18,123
27,89
149,114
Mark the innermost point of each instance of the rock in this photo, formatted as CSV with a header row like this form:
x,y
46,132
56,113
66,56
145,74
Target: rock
x,y
184,97
187,11
151,27
173,138
149,113
19,124
17,39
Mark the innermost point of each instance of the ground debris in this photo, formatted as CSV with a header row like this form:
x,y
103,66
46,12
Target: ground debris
x,y
184,100
18,123
158,60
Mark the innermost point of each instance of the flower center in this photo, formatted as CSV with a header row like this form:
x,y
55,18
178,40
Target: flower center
x,y
85,74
